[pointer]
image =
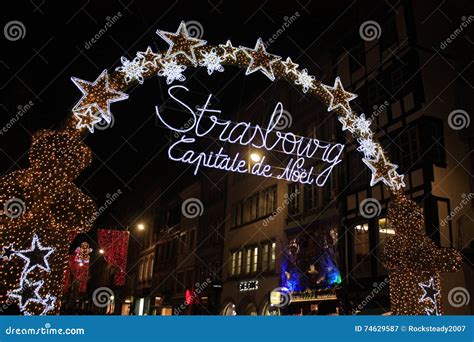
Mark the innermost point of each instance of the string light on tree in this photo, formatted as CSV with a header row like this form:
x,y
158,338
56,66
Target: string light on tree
x,y
414,261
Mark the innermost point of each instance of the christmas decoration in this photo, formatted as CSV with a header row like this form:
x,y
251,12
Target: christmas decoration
x,y
211,61
229,51
132,70
260,60
291,67
339,97
305,80
35,245
87,117
181,44
368,147
149,59
172,71
382,170
414,261
114,243
98,94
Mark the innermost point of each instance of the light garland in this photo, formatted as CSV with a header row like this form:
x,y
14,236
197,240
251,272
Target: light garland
x,y
414,261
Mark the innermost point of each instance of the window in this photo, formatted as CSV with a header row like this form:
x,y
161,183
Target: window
x,y
375,96
180,281
406,150
268,256
150,269
237,214
399,78
252,207
248,260
310,197
389,34
272,256
357,57
192,238
255,260
294,195
270,199
238,269
362,249
233,263
385,231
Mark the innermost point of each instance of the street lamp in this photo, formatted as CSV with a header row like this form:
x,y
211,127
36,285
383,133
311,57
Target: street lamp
x,y
255,157
101,251
141,226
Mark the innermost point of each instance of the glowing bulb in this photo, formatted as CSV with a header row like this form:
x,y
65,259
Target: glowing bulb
x,y
141,226
101,251
255,157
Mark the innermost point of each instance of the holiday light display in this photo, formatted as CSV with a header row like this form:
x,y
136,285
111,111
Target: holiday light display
x,y
114,243
414,261
56,207
35,244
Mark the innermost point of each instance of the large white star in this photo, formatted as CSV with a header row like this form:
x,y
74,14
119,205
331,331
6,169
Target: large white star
x,y
180,43
98,94
36,256
26,293
339,97
260,60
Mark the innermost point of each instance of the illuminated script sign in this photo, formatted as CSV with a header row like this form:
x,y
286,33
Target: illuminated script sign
x,y
305,160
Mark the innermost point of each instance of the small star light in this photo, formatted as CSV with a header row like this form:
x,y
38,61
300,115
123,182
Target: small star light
x,y
172,71
229,50
212,61
348,122
367,146
381,169
149,58
290,66
7,252
339,97
180,43
260,60
305,80
48,303
363,125
26,293
87,117
36,256
397,180
98,94
430,292
132,70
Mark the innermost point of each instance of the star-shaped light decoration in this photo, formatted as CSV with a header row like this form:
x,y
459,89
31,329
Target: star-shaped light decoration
x,y
290,66
381,169
397,180
98,94
36,256
8,252
180,43
260,60
26,293
229,50
48,303
149,58
348,122
339,97
430,292
87,117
